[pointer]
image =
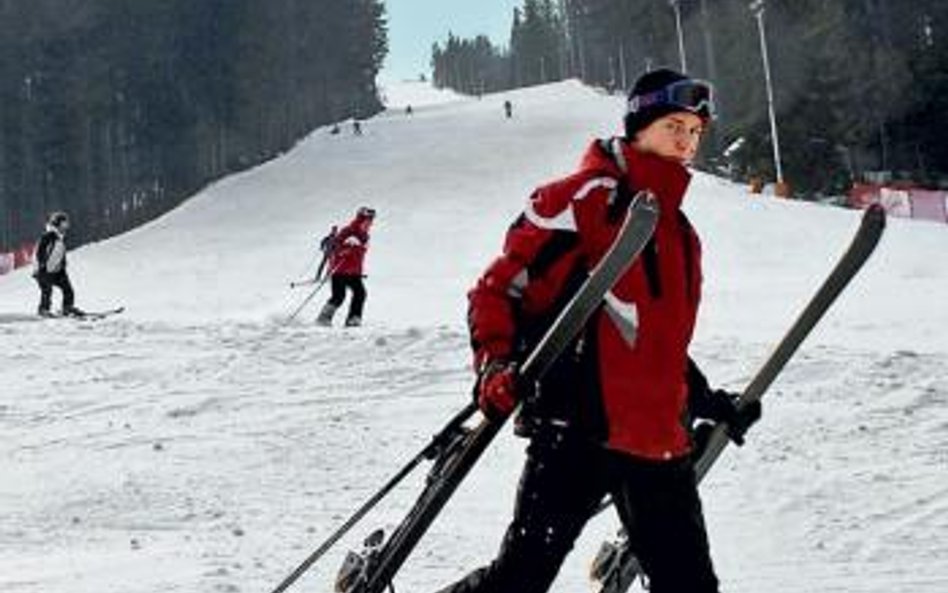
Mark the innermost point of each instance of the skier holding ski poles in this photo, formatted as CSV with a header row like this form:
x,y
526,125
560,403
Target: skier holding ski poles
x,y
345,268
614,414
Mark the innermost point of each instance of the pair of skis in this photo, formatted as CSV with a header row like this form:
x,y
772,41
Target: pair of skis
x,y
88,315
615,567
456,449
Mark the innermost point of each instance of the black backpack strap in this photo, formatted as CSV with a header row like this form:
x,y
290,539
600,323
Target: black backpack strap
x,y
622,195
686,233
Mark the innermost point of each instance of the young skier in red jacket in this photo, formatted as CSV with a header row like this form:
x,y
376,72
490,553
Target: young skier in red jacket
x,y
345,268
614,414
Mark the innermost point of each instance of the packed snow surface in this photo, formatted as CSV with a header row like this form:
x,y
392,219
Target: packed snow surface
x,y
198,443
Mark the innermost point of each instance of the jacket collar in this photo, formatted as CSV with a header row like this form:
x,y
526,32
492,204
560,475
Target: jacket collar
x,y
667,179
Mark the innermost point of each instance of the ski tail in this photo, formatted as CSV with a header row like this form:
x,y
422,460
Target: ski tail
x,y
616,566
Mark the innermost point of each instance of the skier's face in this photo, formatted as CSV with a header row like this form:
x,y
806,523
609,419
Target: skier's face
x,y
675,136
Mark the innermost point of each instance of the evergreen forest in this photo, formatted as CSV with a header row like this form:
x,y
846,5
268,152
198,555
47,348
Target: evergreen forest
x,y
860,87
117,110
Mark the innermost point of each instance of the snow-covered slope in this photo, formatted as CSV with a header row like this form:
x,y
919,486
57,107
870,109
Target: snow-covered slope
x,y
197,444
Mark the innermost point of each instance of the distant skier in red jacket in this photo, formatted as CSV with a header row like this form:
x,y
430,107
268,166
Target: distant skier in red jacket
x,y
350,245
614,415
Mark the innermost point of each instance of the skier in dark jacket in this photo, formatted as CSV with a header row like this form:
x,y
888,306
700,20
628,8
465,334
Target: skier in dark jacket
x,y
614,414
49,266
326,246
345,268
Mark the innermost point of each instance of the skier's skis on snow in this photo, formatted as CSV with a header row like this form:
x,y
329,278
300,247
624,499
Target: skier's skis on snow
x,y
457,454
615,566
96,315
82,315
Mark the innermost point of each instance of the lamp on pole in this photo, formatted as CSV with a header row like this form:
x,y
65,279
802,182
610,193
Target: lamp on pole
x,y
757,7
681,36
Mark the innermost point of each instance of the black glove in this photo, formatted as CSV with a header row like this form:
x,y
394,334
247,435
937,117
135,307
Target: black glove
x,y
700,437
723,408
719,405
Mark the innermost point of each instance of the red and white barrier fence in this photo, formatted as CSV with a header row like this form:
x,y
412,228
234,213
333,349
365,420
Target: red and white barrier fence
x,y
11,260
904,201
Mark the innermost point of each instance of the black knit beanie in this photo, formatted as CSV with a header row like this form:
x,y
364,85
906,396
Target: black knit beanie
x,y
649,83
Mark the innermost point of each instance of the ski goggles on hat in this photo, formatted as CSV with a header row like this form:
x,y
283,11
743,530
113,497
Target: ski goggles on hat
x,y
366,212
690,95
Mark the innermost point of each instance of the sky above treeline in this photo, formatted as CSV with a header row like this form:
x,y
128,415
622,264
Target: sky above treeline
x,y
415,25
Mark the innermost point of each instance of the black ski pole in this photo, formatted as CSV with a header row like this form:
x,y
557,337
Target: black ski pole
x,y
309,264
301,283
310,296
431,451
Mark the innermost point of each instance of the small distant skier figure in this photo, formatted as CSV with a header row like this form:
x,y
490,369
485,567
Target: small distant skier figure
x,y
408,110
334,130
49,266
326,246
345,268
357,127
508,109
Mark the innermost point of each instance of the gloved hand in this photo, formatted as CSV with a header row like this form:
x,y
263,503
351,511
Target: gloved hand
x,y
700,437
724,406
497,389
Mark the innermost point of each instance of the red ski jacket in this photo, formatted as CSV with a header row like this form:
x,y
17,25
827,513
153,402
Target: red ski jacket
x,y
349,247
624,380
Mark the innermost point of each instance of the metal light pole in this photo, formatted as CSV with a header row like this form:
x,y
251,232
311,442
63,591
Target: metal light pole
x,y
681,36
757,7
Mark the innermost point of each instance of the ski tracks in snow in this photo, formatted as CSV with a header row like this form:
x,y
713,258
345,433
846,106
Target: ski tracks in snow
x,y
157,444
845,477
227,452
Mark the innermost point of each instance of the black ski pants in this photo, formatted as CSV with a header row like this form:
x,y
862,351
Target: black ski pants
x,y
563,483
340,282
46,283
